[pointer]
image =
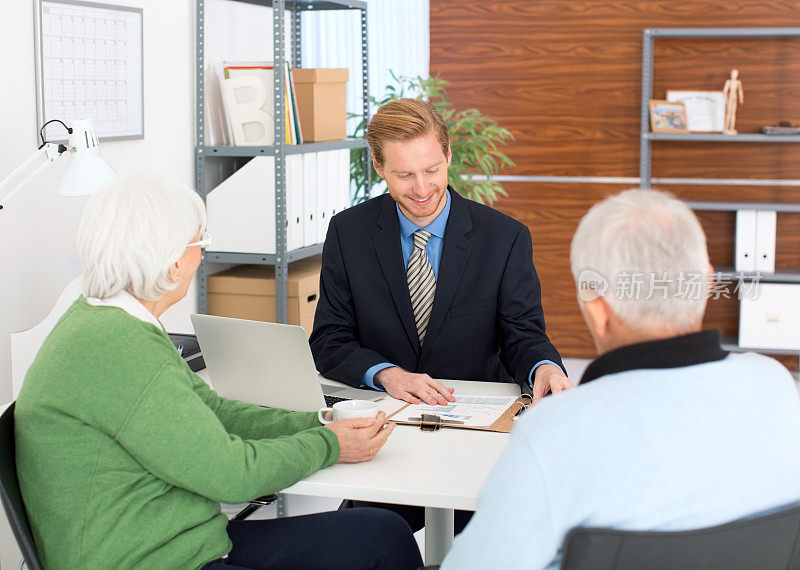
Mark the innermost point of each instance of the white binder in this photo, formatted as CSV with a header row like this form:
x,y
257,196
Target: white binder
x,y
771,319
241,210
295,207
324,161
310,184
334,185
343,179
766,226
745,240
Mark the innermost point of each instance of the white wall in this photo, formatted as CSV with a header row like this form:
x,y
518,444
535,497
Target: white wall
x,y
37,229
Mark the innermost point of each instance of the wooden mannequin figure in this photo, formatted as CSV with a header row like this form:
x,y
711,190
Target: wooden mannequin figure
x,y
733,95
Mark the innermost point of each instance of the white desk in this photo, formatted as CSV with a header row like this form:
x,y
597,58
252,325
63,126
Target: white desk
x,y
441,471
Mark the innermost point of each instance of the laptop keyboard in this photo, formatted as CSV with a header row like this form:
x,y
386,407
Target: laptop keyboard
x,y
331,400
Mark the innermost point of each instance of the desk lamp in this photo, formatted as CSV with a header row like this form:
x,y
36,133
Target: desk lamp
x,y
87,170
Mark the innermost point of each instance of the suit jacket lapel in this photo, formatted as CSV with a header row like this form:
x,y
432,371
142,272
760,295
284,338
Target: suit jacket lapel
x,y
455,254
390,255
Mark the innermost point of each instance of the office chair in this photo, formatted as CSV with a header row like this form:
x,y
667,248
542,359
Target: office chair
x,y
766,542
254,505
9,491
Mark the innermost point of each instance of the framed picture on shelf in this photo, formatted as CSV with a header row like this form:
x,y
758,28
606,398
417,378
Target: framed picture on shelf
x,y
667,117
705,110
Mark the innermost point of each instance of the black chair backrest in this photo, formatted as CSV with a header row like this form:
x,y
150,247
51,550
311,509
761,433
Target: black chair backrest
x,y
767,542
9,491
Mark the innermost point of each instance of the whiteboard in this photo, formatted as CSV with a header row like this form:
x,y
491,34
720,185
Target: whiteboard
x,y
89,65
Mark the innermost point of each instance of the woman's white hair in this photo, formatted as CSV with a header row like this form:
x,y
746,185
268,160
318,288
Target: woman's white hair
x,y
131,233
649,248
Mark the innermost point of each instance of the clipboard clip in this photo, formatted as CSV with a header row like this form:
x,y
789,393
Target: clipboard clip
x,y
527,401
430,422
433,422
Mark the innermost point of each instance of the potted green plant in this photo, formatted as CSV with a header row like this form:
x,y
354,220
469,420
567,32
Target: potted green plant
x,y
474,139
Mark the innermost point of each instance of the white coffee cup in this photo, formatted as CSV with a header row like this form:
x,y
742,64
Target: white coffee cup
x,y
349,409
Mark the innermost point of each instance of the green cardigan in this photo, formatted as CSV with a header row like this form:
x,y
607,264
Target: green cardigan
x,y
124,454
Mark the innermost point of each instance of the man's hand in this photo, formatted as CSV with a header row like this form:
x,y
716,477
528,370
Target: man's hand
x,y
411,387
361,438
549,378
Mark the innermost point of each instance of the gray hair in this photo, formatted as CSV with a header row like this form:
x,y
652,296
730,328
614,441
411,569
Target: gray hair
x,y
132,231
647,237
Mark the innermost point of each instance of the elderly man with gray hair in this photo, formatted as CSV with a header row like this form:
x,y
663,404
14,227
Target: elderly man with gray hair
x,y
666,431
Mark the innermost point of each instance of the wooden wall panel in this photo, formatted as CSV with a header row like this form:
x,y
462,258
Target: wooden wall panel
x,y
564,77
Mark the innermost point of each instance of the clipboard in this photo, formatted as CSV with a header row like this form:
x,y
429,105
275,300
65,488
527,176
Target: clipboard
x,y
432,422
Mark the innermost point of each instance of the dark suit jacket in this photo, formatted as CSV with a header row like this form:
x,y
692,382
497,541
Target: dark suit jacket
x,y
487,321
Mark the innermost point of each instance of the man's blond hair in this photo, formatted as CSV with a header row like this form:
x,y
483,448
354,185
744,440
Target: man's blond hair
x,y
403,120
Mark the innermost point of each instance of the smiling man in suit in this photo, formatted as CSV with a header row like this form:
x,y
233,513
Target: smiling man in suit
x,y
421,283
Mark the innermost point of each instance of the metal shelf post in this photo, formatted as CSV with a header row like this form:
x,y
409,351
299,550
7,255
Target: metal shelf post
x,y
297,36
200,162
281,263
365,99
645,166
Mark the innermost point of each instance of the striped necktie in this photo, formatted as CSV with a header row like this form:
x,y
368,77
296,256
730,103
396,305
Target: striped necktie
x,y
421,283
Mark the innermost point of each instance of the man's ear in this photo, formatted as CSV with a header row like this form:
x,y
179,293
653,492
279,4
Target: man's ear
x,y
378,167
598,316
449,154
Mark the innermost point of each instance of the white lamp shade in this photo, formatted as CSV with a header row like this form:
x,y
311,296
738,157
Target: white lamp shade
x,y
87,171
85,176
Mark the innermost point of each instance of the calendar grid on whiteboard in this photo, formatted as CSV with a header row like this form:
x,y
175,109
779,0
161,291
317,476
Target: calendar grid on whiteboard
x,y
90,65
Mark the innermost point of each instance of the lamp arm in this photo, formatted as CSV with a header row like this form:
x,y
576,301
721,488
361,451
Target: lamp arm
x,y
49,151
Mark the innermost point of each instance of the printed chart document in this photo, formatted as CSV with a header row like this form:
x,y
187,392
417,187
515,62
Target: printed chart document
x,y
469,411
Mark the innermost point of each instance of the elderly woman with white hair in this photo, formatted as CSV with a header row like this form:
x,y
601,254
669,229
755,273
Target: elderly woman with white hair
x,y
124,454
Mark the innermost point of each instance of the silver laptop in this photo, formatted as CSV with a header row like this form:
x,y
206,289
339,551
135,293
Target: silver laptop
x,y
265,363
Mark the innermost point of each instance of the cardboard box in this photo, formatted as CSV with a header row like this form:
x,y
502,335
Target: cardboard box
x,y
248,292
772,319
322,103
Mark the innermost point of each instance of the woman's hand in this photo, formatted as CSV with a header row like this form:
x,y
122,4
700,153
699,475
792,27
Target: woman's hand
x,y
361,438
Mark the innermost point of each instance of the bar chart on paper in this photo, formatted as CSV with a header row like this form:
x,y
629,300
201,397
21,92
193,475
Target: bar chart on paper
x,y
468,411
90,66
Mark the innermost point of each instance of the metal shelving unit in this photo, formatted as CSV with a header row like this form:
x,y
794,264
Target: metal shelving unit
x,y
281,258
290,149
733,206
719,137
779,276
646,139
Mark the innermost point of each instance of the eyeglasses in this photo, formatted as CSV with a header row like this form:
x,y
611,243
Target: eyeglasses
x,y
204,241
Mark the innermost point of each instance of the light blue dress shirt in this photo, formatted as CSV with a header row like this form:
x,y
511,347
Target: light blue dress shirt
x,y
434,251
